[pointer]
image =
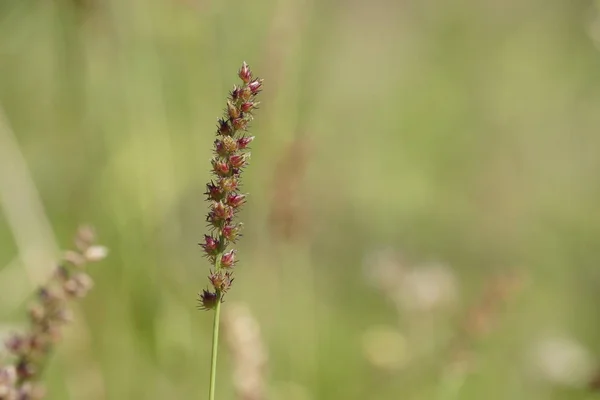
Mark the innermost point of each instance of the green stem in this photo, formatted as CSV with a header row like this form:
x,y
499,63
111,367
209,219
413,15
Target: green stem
x,y
215,348
215,338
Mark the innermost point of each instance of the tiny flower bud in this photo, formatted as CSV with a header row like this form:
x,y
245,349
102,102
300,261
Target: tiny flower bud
x,y
213,219
232,111
208,300
248,105
239,124
245,74
238,160
231,232
235,200
235,93
220,167
228,259
245,93
229,184
213,192
219,147
220,281
211,245
226,146
221,211
244,141
255,86
224,128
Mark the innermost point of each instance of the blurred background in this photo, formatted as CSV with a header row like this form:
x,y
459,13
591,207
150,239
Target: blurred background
x,y
423,220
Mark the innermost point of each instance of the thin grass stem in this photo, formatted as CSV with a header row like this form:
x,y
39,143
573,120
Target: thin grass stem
x,y
215,349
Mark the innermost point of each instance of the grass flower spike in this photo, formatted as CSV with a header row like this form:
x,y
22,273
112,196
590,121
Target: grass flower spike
x,y
230,158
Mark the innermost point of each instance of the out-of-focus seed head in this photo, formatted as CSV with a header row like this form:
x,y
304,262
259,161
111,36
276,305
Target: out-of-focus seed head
x,y
8,392
207,300
31,391
245,74
17,344
75,258
78,285
25,370
53,336
61,273
95,253
41,342
85,237
37,313
64,316
8,375
48,314
50,296
249,356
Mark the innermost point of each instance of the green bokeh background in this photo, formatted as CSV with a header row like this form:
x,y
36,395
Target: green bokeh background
x,y
466,132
